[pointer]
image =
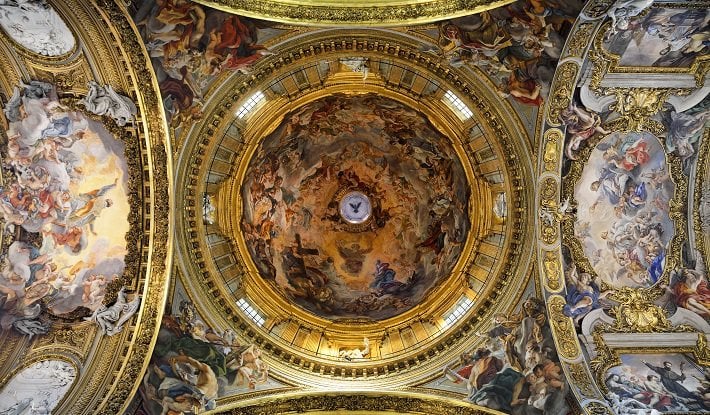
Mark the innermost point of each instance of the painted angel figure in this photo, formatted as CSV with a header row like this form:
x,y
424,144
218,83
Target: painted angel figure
x,y
86,207
110,319
684,130
105,101
622,11
581,124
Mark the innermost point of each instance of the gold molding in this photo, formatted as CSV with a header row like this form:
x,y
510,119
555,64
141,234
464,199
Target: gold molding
x,y
373,13
343,402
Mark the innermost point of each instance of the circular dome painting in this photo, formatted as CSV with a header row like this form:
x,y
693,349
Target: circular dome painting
x,y
355,206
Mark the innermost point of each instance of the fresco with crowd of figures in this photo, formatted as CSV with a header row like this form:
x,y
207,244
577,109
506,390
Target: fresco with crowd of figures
x,y
194,364
663,37
660,382
622,215
64,210
517,45
418,196
190,45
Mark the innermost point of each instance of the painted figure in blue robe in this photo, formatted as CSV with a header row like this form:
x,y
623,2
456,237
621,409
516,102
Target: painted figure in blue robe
x,y
582,295
498,393
384,276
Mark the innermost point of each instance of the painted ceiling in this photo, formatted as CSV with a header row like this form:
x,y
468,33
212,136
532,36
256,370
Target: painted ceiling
x,y
388,207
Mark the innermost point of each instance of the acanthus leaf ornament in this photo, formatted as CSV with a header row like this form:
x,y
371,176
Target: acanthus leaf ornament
x,y
553,270
702,352
637,105
563,328
636,313
550,156
562,89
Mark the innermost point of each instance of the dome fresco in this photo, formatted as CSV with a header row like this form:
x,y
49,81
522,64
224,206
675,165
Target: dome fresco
x,y
212,209
355,207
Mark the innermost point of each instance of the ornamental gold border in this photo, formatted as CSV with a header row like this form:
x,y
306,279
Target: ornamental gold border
x,y
330,46
364,402
702,178
373,13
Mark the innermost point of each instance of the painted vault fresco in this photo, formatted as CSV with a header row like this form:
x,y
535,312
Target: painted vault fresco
x,y
38,388
516,45
516,370
190,45
390,153
35,25
623,202
193,364
64,210
663,37
661,382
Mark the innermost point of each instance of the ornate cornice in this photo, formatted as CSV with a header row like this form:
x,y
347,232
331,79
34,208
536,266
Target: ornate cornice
x,y
372,13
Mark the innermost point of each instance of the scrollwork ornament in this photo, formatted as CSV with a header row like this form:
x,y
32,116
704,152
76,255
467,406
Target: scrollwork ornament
x,y
597,9
601,67
550,156
579,40
636,313
605,356
581,379
597,408
553,271
563,328
702,352
374,14
561,91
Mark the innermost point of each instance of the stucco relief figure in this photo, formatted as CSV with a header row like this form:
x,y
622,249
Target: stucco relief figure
x,y
583,294
37,389
685,130
105,101
35,25
581,125
356,353
357,65
110,319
